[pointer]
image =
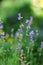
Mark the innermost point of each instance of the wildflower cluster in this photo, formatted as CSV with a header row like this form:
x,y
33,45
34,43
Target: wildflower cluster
x,y
21,48
26,38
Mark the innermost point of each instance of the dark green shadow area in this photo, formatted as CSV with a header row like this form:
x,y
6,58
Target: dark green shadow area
x,y
12,21
38,24
1,1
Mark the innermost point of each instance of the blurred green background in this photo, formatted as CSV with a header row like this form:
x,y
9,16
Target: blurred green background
x,y
9,10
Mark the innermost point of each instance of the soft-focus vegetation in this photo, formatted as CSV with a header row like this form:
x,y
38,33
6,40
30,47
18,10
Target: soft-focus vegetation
x,y
21,33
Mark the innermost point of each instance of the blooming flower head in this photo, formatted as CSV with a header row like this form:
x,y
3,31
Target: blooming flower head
x,y
19,16
27,21
31,34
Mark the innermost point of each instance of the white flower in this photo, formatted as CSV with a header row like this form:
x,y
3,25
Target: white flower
x,y
29,21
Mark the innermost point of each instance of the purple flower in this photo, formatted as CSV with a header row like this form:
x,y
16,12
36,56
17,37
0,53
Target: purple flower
x,y
31,18
19,16
27,21
31,34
